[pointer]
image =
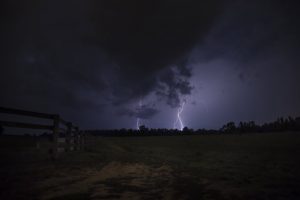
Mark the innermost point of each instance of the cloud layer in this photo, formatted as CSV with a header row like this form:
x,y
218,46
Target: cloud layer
x,y
100,58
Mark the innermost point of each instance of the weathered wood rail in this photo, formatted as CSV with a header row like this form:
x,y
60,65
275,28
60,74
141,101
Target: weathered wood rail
x,y
73,138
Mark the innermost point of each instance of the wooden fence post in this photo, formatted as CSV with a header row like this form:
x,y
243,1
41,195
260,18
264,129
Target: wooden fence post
x,y
69,137
55,136
75,138
79,140
82,140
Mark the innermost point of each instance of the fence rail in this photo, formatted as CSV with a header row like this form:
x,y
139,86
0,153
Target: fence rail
x,y
26,113
73,137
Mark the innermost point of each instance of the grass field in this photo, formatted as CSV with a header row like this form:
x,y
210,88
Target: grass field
x,y
249,166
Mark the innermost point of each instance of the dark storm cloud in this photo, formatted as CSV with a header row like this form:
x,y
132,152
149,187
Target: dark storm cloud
x,y
44,58
104,56
60,55
143,112
251,30
144,37
173,85
136,38
147,35
184,70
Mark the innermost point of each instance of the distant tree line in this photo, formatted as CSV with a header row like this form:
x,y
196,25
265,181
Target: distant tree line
x,y
144,131
281,124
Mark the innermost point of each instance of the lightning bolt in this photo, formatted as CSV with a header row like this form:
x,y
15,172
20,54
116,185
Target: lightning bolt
x,y
178,121
138,120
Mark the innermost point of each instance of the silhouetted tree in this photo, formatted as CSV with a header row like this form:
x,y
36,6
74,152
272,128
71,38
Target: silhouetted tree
x,y
229,128
186,130
242,127
143,129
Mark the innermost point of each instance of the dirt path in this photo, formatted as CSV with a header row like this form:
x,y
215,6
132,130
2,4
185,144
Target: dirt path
x,y
122,181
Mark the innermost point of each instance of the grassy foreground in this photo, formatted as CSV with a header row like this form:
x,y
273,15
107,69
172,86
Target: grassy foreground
x,y
250,166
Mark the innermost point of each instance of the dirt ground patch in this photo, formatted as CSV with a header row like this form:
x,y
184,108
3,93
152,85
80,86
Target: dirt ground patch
x,y
133,181
118,180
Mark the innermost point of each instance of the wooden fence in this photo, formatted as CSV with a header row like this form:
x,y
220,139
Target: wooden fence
x,y
72,138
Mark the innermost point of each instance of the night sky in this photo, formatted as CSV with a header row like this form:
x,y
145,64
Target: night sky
x,y
105,63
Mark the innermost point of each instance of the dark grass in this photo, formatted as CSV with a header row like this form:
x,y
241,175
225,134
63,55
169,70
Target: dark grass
x,y
250,166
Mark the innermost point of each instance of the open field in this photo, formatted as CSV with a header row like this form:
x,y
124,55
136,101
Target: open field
x,y
249,166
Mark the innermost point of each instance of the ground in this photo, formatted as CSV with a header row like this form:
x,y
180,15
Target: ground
x,y
248,166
